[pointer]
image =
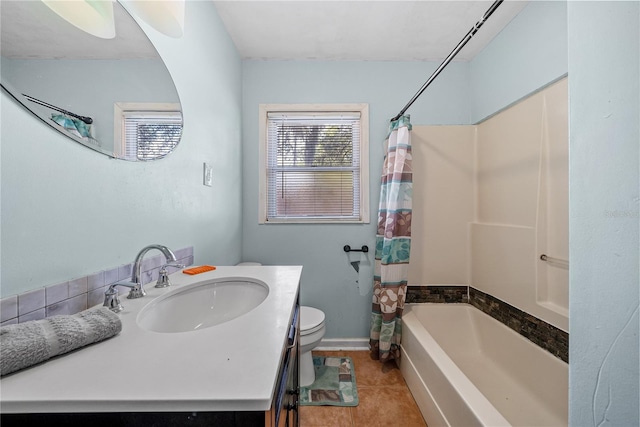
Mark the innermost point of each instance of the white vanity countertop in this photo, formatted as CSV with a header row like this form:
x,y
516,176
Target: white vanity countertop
x,y
228,367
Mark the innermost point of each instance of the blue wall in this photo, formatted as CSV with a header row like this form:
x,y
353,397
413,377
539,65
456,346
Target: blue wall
x,y
68,211
328,281
604,231
528,54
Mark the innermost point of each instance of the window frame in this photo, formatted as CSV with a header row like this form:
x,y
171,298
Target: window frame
x,y
264,110
121,108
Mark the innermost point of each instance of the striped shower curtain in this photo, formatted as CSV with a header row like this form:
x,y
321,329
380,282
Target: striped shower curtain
x,y
393,243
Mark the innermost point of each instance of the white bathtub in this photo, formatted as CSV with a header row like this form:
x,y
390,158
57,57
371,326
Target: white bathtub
x,y
465,368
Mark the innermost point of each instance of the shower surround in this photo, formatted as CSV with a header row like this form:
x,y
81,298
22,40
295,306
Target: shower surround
x,y
489,199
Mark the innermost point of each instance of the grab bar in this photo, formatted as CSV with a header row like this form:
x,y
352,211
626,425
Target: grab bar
x,y
552,260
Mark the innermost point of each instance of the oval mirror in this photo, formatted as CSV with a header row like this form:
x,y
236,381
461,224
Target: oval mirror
x,y
114,96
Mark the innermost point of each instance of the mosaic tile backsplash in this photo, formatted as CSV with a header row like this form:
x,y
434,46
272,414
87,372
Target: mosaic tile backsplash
x,y
431,293
541,333
79,294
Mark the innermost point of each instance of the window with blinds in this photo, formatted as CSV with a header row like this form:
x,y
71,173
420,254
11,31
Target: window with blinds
x,y
149,135
314,166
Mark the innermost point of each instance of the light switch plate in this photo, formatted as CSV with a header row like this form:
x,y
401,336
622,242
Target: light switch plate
x,y
207,175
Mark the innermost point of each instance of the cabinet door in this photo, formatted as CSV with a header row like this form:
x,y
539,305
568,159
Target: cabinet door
x,y
284,412
289,408
293,382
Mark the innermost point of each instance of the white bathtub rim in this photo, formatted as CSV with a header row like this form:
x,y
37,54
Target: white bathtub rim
x,y
478,404
431,411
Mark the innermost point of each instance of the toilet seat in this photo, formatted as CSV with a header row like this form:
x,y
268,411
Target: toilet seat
x,y
311,320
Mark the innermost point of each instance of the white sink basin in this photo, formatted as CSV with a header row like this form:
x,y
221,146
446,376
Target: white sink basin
x,y
202,305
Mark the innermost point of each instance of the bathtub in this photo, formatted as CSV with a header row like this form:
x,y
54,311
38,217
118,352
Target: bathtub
x,y
465,368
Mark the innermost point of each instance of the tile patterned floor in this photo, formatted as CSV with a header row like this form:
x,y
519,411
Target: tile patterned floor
x,y
385,400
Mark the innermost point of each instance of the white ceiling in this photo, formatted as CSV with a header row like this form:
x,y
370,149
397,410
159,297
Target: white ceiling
x,y
392,30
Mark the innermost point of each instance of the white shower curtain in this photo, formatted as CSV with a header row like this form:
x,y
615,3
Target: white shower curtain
x,y
393,243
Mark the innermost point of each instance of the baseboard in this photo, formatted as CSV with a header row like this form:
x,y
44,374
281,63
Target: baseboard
x,y
336,344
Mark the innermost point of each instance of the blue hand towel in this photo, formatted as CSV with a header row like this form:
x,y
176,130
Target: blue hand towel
x,y
26,344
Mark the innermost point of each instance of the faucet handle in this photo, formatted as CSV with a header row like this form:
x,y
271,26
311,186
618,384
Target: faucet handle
x,y
174,264
163,276
111,299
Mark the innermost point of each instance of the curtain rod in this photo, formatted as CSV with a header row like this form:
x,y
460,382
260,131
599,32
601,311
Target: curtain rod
x,y
453,53
87,120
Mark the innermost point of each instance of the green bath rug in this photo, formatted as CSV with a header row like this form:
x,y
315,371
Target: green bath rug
x,y
335,383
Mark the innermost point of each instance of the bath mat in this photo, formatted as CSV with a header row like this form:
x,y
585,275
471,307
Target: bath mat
x,y
335,383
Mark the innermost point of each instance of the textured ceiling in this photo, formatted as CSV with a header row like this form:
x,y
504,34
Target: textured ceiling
x,y
361,30
296,29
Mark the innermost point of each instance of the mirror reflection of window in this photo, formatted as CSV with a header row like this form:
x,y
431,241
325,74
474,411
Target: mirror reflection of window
x,y
146,131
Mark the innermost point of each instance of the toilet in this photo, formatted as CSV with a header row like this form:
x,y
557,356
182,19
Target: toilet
x,y
312,331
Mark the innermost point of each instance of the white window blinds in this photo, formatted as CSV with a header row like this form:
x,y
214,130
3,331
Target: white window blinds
x,y
313,165
151,135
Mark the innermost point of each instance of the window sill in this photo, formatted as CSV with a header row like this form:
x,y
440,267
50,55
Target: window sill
x,y
312,221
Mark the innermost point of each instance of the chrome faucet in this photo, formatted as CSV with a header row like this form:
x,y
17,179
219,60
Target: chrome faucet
x,y
111,299
135,274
